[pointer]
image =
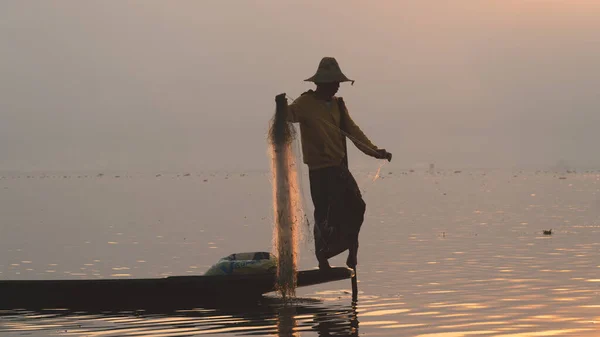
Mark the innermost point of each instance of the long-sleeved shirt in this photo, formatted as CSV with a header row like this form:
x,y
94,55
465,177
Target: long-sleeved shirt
x,y
322,140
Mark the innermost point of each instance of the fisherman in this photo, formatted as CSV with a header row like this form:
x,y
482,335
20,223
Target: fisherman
x,y
324,125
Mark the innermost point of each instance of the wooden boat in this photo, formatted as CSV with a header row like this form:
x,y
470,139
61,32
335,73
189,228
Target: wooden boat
x,y
179,291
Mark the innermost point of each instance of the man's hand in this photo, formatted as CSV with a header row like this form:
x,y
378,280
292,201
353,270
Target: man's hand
x,y
280,98
383,154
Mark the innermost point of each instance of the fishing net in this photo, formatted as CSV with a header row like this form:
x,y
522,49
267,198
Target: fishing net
x,y
287,200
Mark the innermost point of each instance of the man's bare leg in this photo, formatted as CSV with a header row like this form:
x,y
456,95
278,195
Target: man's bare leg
x,y
324,265
323,262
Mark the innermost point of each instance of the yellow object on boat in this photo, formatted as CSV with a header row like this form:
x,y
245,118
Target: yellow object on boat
x,y
244,263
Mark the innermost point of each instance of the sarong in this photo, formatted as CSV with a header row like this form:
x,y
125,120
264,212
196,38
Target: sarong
x,y
339,210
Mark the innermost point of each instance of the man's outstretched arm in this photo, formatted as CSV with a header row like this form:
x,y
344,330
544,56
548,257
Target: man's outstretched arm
x,y
362,142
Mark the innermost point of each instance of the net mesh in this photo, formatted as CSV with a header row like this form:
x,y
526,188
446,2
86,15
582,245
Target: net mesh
x,y
288,214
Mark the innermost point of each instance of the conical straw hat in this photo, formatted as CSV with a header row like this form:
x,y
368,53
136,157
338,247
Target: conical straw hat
x,y
329,71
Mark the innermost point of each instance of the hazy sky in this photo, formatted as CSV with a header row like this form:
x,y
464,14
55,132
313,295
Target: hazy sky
x,y
190,85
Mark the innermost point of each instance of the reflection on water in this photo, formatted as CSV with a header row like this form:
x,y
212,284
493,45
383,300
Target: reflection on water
x,y
272,317
316,317
442,255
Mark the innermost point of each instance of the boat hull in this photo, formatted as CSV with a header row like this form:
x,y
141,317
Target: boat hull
x,y
180,291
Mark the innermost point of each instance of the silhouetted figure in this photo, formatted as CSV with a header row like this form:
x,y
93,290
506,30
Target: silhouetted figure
x,y
324,125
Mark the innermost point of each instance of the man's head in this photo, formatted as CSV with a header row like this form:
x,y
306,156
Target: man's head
x,y
327,90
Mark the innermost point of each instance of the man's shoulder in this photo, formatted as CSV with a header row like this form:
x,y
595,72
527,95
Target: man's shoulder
x,y
339,101
308,101
306,97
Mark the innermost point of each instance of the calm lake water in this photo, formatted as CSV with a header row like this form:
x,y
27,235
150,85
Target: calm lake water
x,y
447,254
